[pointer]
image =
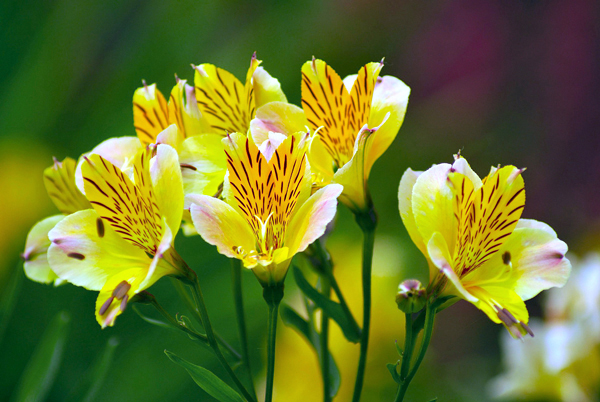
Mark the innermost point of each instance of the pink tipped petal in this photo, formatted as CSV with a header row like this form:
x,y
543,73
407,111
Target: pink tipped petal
x,y
270,145
277,117
221,225
310,221
461,166
36,247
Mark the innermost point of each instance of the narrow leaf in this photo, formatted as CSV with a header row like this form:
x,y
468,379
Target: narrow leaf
x,y
42,368
332,309
152,321
8,298
206,380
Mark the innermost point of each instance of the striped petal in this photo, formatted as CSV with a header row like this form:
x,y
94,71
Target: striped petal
x,y
86,252
150,113
59,180
130,209
119,151
226,103
35,256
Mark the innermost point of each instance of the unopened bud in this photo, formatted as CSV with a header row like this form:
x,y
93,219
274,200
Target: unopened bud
x,y
411,296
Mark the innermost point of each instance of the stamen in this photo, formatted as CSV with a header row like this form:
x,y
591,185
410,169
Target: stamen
x,y
123,305
512,317
121,290
506,258
527,328
106,305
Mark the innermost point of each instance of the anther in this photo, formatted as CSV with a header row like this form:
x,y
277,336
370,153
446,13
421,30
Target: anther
x,y
506,258
527,328
121,290
510,316
123,305
106,305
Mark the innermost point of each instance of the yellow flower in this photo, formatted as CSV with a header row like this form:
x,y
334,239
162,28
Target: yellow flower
x,y
356,120
59,180
477,246
124,244
268,214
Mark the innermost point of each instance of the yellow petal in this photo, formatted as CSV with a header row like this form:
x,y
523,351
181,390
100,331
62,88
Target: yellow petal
x,y
311,219
184,111
119,151
150,113
168,185
203,165
36,247
86,252
266,88
222,226
432,205
225,103
321,162
405,194
390,96
130,209
277,117
59,180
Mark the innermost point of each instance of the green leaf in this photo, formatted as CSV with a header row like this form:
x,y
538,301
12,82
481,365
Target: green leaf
x,y
399,349
332,309
87,389
206,380
434,400
8,298
292,319
42,368
392,369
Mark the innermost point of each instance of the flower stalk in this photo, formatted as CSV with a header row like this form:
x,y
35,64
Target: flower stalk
x,y
367,221
272,295
236,277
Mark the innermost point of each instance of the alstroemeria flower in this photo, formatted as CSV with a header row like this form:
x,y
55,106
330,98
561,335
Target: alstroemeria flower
x,y
268,214
125,243
477,246
356,120
59,180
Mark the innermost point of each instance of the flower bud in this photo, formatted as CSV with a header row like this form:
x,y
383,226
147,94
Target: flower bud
x,y
411,296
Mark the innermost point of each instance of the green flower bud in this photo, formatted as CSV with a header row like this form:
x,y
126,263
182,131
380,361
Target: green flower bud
x,y
411,296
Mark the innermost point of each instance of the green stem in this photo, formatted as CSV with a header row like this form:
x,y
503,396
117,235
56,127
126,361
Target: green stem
x,y
236,277
273,309
428,330
408,347
175,324
212,340
191,306
324,344
367,222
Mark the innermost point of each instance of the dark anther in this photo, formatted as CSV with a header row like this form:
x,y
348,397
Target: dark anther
x,y
100,227
526,328
106,305
124,303
121,290
506,258
77,256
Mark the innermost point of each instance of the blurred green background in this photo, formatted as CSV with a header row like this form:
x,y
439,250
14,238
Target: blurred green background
x,y
504,82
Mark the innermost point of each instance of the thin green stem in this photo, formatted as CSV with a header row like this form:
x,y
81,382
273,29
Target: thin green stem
x,y
212,340
177,325
408,347
273,310
192,307
367,223
236,277
324,343
428,330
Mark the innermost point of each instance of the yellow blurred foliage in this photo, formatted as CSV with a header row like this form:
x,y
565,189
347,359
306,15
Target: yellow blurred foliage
x,y
23,200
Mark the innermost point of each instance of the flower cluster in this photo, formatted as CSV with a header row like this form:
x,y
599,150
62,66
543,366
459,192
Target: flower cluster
x,y
259,178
